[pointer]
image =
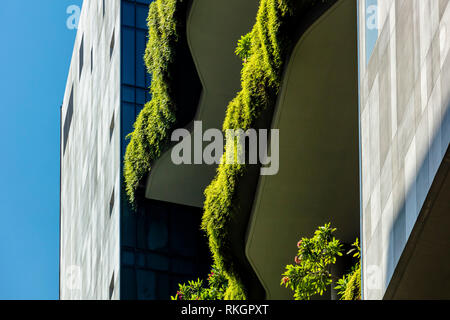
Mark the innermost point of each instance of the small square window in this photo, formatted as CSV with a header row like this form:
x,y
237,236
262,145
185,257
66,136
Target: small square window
x,y
68,119
111,127
81,55
111,203
111,287
111,46
128,14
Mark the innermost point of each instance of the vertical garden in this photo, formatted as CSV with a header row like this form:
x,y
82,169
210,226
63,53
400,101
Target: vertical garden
x,y
264,51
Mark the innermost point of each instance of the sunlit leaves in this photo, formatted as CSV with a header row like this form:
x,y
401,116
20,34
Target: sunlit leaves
x,y
195,290
310,275
243,47
156,119
264,51
349,286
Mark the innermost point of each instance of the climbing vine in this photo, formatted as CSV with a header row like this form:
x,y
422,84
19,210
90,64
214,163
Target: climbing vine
x,y
153,125
263,50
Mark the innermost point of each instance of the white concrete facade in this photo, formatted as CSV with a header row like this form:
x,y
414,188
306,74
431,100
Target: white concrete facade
x,y
90,163
404,126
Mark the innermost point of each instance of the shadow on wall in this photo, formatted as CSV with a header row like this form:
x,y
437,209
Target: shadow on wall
x,y
405,233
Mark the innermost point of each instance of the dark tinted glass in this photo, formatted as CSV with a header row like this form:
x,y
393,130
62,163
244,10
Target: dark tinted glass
x,y
161,243
128,56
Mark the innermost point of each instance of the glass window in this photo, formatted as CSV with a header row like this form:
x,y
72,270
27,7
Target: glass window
x,y
128,118
128,285
128,222
68,119
146,285
183,266
128,94
156,262
128,258
152,285
140,96
128,14
112,126
111,46
163,291
81,56
128,56
111,203
140,52
111,287
153,261
141,16
156,231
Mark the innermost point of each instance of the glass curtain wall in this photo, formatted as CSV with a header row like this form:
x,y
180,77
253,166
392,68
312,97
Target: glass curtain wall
x,y
161,243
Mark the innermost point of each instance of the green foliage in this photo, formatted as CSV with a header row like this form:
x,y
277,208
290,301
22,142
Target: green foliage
x,y
349,286
310,275
353,289
356,249
235,291
151,130
244,46
194,290
260,83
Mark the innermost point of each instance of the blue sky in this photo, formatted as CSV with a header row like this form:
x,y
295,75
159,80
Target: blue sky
x,y
36,47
